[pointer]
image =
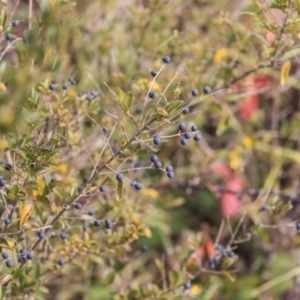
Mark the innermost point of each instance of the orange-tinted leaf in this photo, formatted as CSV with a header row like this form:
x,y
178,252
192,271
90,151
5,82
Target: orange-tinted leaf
x,y
209,247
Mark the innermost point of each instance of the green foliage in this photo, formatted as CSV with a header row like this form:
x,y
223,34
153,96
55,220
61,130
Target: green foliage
x,y
77,67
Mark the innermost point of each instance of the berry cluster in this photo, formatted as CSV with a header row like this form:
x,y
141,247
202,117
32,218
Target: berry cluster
x,y
188,135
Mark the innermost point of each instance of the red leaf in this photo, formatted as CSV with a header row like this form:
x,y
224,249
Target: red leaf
x,y
229,201
220,169
249,106
260,81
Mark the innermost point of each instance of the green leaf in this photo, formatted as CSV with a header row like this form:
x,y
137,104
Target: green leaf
x,y
120,190
223,125
14,191
109,278
290,54
161,114
56,183
229,261
42,198
176,104
32,185
3,18
128,100
73,192
125,100
164,99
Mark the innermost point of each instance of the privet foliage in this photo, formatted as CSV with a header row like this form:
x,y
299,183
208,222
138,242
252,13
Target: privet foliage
x,y
147,148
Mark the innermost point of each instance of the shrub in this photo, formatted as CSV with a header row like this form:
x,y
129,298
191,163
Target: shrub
x,y
105,192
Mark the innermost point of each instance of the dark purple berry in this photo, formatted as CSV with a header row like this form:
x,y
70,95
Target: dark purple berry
x,y
158,164
186,110
264,207
5,255
183,141
2,183
8,166
169,168
144,248
105,130
197,137
170,174
119,176
78,206
152,94
231,253
97,223
102,188
9,263
194,92
108,224
15,23
63,236
154,158
29,256
298,226
156,139
21,259
187,285
166,59
72,81
65,86
9,36
61,262
138,186
181,126
7,221
41,234
188,135
206,90
194,128
22,251
85,226
52,86
153,73
91,212
219,247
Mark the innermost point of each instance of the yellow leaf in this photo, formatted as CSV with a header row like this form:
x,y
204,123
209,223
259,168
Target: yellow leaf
x,y
25,212
3,145
196,289
7,116
147,83
63,169
248,142
2,87
5,278
150,193
10,243
235,163
41,184
220,55
285,70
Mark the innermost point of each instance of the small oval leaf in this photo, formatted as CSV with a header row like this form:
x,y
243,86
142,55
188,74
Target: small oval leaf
x,y
5,278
